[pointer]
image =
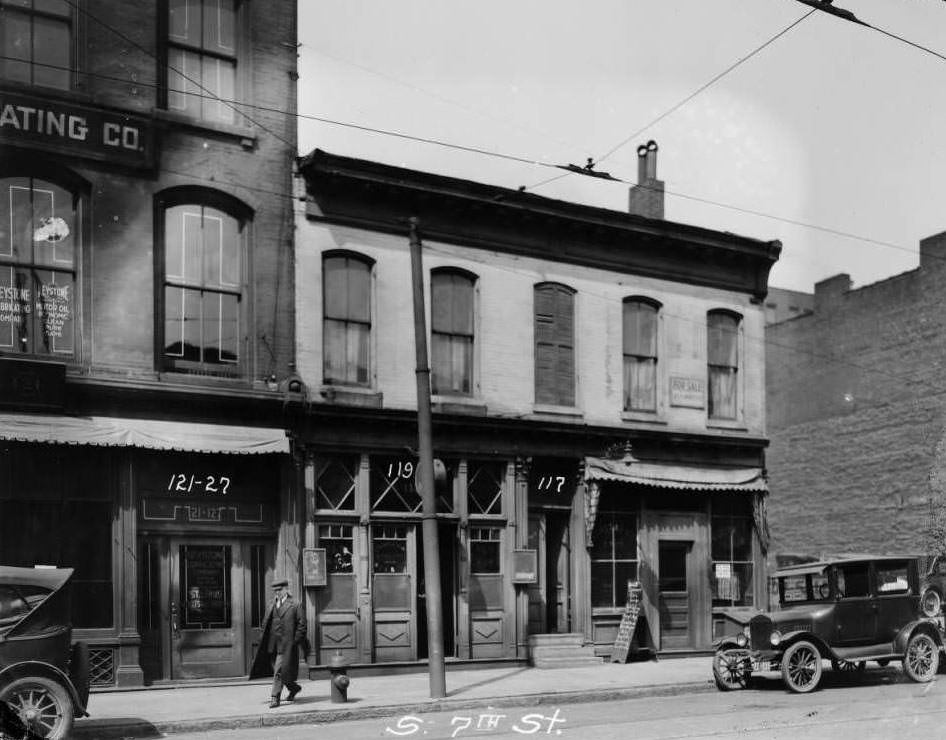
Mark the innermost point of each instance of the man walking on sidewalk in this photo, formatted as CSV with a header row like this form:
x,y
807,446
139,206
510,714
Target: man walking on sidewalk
x,y
284,634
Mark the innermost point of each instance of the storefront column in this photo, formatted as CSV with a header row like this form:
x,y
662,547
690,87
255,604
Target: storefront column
x,y
363,564
311,605
521,521
581,565
288,541
128,672
464,639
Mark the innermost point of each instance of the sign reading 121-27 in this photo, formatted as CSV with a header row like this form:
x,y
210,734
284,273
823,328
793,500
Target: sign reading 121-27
x,y
191,483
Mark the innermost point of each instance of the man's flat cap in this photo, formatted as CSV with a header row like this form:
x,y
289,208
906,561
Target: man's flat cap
x,y
280,583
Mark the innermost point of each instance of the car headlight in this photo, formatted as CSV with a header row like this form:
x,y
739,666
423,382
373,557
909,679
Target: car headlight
x,y
742,640
775,638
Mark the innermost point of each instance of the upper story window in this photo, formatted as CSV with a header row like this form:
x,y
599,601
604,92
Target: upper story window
x,y
40,240
640,354
36,42
346,292
722,351
451,310
554,307
202,269
202,58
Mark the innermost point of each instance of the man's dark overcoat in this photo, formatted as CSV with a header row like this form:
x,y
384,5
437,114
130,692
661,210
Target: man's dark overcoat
x,y
284,632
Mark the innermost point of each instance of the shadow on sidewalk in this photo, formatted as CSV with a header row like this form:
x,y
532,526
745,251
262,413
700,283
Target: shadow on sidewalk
x,y
116,726
488,681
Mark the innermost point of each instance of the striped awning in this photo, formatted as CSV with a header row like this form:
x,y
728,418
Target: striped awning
x,y
680,477
151,434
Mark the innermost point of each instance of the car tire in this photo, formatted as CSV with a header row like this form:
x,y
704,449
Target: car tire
x,y
921,660
731,670
801,667
44,705
848,666
931,603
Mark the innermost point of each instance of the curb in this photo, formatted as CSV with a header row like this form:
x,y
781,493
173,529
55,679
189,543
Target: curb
x,y
112,729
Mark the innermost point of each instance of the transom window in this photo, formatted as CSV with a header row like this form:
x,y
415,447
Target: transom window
x,y
554,307
392,485
346,291
640,354
202,58
452,294
36,42
723,363
335,483
39,247
485,487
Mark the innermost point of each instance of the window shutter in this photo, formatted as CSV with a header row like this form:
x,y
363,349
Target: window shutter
x,y
554,346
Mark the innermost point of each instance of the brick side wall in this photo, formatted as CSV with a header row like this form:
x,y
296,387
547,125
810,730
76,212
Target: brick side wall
x,y
856,404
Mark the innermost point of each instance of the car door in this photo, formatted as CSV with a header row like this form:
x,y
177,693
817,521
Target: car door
x,y
855,611
896,603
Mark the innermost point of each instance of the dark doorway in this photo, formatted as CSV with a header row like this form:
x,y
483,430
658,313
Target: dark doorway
x,y
446,543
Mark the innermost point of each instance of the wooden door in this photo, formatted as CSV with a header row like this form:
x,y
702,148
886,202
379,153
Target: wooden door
x,y
536,591
207,637
674,565
394,591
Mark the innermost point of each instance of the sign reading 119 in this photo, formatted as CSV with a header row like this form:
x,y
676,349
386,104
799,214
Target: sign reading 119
x,y
400,469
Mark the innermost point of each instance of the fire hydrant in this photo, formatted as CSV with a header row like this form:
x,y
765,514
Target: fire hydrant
x,y
339,679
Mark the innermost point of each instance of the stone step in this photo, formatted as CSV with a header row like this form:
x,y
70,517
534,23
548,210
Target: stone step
x,y
554,651
569,662
562,638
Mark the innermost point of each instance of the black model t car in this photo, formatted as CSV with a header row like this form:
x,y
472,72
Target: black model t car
x,y
43,675
848,611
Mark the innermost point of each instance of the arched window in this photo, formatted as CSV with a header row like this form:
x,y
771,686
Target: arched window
x,y
554,314
40,246
640,321
201,321
346,335
722,351
451,309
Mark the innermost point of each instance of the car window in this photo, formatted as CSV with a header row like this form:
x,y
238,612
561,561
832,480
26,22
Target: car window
x,y
892,578
808,587
853,580
12,604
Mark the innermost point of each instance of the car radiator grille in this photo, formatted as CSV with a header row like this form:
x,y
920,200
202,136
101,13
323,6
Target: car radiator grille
x,y
759,633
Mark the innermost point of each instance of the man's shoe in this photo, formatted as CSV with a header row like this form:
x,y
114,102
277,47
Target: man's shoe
x,y
274,702
293,692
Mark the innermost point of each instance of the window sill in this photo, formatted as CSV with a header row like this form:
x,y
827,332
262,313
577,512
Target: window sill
x,y
442,404
550,410
350,395
183,377
246,136
735,425
647,418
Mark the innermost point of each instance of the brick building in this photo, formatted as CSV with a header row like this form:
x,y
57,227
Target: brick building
x,y
146,319
598,399
856,406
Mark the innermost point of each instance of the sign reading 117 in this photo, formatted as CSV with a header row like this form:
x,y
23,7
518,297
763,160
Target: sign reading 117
x,y
551,483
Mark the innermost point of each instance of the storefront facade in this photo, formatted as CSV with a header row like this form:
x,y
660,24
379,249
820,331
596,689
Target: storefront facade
x,y
597,408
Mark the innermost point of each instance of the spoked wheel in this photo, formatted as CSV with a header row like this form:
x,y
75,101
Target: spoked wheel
x,y
921,660
731,669
43,705
801,667
848,666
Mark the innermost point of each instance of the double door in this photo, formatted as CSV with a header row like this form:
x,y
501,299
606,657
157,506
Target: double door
x,y
204,603
548,596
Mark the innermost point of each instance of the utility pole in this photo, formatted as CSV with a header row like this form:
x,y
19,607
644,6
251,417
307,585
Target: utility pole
x,y
438,687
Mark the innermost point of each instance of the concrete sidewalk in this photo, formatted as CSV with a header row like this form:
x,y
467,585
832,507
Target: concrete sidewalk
x,y
149,713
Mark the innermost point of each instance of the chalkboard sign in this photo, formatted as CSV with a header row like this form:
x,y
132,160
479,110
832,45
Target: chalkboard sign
x,y
632,610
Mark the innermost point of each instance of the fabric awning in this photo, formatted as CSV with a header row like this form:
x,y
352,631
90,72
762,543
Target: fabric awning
x,y
681,477
151,434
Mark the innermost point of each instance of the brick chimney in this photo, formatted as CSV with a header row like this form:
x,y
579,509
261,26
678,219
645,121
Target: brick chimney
x,y
647,197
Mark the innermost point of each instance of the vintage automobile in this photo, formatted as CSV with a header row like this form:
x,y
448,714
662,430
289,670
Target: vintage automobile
x,y
848,610
44,676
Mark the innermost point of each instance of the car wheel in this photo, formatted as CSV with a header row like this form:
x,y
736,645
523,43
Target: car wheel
x,y
931,603
921,660
44,705
848,666
731,670
801,667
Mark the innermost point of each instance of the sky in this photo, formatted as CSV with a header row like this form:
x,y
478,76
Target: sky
x,y
830,138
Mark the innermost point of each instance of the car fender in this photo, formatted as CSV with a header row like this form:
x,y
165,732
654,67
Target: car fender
x,y
790,638
729,643
35,668
917,626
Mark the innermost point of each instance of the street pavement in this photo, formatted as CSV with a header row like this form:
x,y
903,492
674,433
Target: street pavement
x,y
152,712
